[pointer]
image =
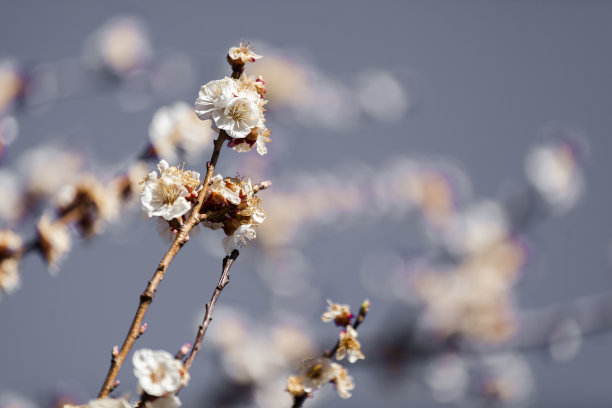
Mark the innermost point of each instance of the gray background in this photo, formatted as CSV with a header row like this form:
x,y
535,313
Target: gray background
x,y
491,75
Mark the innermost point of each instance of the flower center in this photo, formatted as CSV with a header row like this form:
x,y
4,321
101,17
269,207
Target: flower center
x,y
239,111
170,193
157,375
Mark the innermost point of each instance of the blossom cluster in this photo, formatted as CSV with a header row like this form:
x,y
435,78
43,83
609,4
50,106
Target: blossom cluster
x,y
316,372
236,106
256,356
233,206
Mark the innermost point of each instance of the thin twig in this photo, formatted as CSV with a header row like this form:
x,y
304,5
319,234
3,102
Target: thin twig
x,y
147,296
223,281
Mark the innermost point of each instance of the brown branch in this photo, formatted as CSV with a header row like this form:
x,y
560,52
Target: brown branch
x,y
223,281
147,296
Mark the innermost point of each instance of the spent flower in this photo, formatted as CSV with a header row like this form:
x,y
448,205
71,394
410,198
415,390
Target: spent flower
x,y
242,54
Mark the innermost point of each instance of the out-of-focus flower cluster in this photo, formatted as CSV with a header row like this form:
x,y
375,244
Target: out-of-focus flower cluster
x,y
257,357
230,203
314,99
53,190
315,372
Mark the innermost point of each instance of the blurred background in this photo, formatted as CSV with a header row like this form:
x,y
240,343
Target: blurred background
x,y
448,161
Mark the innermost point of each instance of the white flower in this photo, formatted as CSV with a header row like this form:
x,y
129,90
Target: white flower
x,y
158,372
239,238
242,54
166,196
169,401
234,111
340,314
215,95
553,170
315,372
239,116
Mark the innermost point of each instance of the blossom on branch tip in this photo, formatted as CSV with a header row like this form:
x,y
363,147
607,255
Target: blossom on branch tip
x,y
349,345
170,194
340,314
241,54
158,372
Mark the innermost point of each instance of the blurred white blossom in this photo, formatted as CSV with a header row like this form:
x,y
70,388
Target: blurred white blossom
x,y
554,172
121,45
175,129
158,372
